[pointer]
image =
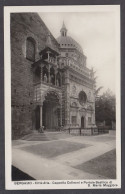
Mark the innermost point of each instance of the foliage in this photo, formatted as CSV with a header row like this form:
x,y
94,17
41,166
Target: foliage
x,y
105,107
98,90
104,104
94,77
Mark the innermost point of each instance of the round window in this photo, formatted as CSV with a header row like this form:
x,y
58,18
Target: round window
x,y
82,97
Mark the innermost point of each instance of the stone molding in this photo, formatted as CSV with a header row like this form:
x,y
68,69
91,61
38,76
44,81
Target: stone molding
x,y
51,91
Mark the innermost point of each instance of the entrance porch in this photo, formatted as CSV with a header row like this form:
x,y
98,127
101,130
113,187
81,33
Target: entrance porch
x,y
48,115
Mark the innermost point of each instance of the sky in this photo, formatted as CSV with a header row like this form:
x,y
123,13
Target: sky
x,y
96,33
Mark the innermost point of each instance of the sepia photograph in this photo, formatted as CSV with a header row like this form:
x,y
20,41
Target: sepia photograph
x,y
62,97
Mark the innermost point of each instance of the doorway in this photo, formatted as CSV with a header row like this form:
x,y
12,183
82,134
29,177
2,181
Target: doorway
x,y
82,122
51,112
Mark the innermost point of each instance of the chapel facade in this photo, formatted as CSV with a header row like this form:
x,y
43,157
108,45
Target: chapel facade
x,y
51,85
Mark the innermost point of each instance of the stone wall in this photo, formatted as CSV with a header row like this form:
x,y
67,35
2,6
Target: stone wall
x,y
24,25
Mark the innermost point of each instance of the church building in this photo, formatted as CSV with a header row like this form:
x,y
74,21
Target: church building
x,y
51,86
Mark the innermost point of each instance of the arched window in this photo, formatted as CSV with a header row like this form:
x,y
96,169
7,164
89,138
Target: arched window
x,y
89,120
74,120
82,97
30,49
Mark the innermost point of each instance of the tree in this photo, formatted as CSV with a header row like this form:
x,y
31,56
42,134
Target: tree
x,y
105,108
98,90
104,104
94,77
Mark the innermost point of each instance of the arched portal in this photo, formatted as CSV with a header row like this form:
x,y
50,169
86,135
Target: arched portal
x,y
51,112
82,122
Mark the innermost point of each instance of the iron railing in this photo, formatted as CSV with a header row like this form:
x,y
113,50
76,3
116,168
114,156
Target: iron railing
x,y
87,131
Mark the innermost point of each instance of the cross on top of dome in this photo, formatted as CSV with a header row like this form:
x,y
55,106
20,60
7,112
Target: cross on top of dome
x,y
63,30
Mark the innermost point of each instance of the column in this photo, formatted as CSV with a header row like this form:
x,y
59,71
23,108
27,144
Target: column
x,y
48,55
41,74
93,116
56,60
49,74
55,77
60,116
41,118
67,100
61,79
33,119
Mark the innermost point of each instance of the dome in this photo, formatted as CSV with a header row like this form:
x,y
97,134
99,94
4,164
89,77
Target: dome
x,y
68,42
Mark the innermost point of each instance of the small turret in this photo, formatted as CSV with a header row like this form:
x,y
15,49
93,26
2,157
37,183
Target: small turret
x,y
63,30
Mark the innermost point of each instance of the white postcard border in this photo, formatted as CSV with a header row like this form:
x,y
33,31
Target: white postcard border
x,y
13,185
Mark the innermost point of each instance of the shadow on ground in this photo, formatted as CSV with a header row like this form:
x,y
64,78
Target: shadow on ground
x,y
54,148
18,175
104,165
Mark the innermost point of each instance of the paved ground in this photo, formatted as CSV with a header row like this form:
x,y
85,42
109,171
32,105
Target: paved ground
x,y
59,156
104,165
